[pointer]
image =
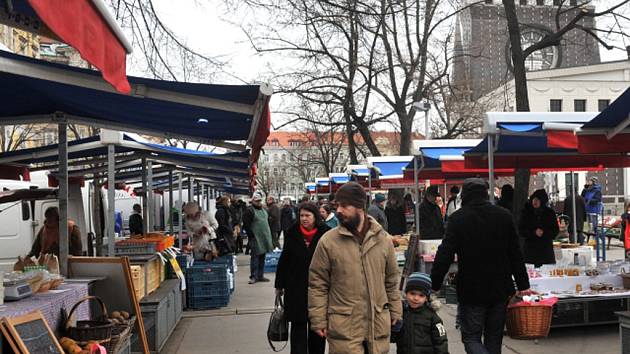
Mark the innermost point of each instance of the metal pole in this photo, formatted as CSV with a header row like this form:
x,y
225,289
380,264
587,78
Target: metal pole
x,y
181,210
191,197
199,194
150,199
207,197
427,134
62,178
111,196
145,194
491,166
170,201
417,195
369,186
573,208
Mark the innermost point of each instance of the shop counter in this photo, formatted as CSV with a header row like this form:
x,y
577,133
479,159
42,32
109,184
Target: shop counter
x,y
50,303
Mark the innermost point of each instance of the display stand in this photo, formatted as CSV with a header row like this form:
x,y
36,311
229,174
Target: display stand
x,y
116,290
580,311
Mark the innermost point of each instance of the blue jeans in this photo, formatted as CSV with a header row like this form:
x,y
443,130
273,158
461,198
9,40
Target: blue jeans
x,y
257,266
482,320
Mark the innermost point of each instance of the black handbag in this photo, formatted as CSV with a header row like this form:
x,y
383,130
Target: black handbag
x,y
278,330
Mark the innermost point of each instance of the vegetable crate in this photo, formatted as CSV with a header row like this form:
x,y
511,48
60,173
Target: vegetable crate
x,y
208,286
271,262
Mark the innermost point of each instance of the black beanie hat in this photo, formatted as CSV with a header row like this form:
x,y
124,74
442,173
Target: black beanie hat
x,y
351,193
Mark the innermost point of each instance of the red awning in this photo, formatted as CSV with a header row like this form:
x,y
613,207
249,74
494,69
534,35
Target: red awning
x,y
599,144
542,163
81,25
564,139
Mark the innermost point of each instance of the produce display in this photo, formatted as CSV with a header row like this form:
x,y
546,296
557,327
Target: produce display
x,y
71,347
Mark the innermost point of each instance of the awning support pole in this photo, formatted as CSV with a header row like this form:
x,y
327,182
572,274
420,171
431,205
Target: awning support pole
x,y
573,208
416,196
111,196
191,188
150,199
145,195
62,178
181,210
170,201
491,167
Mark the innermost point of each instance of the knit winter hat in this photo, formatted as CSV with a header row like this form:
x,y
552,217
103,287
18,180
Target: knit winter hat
x,y
420,282
379,198
433,190
351,193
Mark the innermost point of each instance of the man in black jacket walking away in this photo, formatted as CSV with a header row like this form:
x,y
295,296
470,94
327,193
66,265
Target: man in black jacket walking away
x,y
486,243
431,221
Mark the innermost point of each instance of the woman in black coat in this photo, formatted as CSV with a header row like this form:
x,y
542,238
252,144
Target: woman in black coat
x,y
300,242
225,242
539,227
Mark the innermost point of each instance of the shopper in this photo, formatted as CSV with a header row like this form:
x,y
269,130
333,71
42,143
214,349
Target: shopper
x,y
274,221
431,222
484,238
580,216
136,226
287,216
226,243
422,330
592,195
256,224
538,225
47,240
377,210
201,226
395,212
507,197
454,202
300,242
328,216
353,294
236,211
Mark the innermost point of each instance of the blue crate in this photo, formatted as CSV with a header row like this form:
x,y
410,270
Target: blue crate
x,y
219,288
202,271
206,303
226,260
182,259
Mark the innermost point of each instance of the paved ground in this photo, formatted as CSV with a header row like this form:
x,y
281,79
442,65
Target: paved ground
x,y
241,327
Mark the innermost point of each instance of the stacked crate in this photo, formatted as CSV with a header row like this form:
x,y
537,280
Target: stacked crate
x,y
153,279
137,277
208,285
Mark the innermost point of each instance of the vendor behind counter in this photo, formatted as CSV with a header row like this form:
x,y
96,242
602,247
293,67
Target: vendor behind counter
x,y
47,240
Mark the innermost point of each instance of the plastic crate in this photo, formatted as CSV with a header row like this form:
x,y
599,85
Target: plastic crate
x,y
218,288
208,303
228,260
271,262
135,248
202,271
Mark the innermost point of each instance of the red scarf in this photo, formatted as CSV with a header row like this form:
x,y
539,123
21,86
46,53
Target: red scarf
x,y
308,235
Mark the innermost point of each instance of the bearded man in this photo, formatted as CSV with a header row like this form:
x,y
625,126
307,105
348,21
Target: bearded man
x,y
353,296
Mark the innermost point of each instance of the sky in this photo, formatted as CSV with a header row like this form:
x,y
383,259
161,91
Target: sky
x,y
208,27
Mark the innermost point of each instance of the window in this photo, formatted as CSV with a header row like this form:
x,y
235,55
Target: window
x,y
489,2
284,157
555,105
579,105
602,104
523,2
540,2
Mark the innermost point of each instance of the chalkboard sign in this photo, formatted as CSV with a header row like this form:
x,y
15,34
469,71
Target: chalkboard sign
x,y
32,334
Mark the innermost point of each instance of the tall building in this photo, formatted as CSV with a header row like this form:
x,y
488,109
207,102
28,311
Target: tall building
x,y
482,51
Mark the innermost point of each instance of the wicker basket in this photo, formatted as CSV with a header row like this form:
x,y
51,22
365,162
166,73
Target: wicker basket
x,y
529,322
120,333
98,330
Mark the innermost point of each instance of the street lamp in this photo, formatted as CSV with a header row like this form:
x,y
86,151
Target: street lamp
x,y
424,106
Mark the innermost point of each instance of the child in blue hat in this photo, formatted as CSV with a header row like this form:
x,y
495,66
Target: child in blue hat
x,y
422,330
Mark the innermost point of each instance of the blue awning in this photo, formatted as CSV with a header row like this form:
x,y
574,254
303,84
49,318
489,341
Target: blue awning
x,y
155,107
435,153
613,115
511,144
521,127
390,169
340,179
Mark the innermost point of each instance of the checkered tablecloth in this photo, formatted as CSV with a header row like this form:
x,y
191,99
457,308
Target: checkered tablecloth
x,y
50,304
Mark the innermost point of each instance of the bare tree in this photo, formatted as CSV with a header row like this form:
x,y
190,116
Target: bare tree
x,y
14,137
569,17
163,54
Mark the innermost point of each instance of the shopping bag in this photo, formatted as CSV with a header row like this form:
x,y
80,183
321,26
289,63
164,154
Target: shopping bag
x,y
278,330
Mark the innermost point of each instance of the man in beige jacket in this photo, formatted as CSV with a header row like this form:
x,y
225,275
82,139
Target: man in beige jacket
x,y
353,296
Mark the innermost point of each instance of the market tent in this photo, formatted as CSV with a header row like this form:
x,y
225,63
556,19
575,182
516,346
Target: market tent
x,y
609,131
339,178
34,91
310,187
389,166
95,33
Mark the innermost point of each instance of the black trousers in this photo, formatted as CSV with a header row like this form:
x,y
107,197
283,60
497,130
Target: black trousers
x,y
305,341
